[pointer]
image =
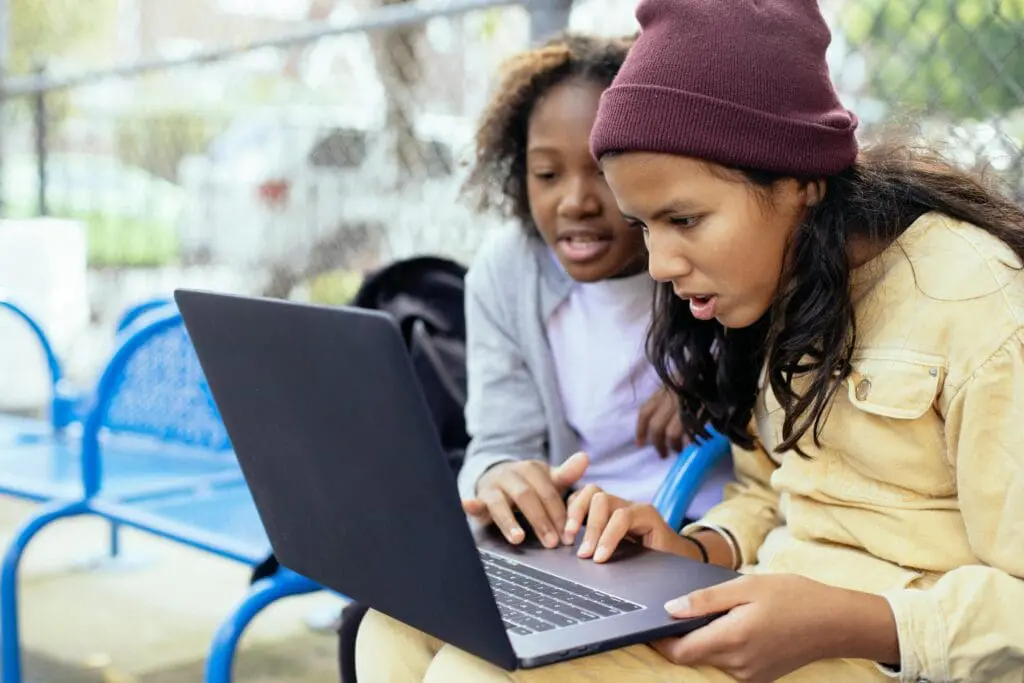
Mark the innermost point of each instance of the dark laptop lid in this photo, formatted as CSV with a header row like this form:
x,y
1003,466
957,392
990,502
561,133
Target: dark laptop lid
x,y
336,444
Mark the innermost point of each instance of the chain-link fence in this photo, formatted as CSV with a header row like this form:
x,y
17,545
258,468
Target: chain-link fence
x,y
949,71
318,148
334,138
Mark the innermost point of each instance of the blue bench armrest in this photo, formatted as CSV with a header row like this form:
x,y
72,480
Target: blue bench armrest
x,y
63,400
133,313
686,477
52,362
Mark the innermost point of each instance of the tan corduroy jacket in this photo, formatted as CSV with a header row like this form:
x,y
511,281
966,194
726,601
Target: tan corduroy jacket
x,y
917,490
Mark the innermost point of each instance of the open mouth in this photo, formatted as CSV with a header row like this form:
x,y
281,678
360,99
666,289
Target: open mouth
x,y
704,307
583,248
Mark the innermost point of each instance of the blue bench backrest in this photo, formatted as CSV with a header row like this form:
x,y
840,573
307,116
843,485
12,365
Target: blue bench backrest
x,y
161,391
152,386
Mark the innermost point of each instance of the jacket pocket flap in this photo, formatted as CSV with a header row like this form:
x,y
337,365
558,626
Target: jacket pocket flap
x,y
898,384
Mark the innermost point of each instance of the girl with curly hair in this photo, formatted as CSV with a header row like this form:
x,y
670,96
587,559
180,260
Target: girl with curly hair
x,y
561,395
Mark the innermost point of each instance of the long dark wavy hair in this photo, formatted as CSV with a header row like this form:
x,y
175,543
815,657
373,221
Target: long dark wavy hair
x,y
809,333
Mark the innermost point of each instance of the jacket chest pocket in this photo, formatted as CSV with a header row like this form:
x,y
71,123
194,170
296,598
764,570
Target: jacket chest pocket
x,y
886,428
900,385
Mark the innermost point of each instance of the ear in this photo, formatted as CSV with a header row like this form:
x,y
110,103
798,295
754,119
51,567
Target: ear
x,y
814,192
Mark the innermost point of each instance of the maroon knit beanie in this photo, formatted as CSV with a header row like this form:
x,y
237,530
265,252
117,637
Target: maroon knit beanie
x,y
737,82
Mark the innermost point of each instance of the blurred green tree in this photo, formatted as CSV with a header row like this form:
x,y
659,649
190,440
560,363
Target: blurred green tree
x,y
964,58
42,29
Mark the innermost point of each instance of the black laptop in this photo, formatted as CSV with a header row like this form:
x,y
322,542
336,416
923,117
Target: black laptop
x,y
336,443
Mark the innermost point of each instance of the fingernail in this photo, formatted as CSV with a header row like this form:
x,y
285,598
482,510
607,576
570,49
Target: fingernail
x,y
571,527
602,553
679,606
515,534
585,548
550,539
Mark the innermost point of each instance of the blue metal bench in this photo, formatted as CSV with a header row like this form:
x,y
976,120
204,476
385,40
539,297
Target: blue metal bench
x,y
153,455
688,472
67,403
62,400
38,458
133,313
41,459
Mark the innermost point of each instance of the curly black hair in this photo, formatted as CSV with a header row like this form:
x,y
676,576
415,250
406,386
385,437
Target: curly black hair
x,y
497,179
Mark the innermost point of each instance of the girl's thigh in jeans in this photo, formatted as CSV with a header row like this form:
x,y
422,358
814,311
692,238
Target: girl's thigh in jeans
x,y
637,664
390,652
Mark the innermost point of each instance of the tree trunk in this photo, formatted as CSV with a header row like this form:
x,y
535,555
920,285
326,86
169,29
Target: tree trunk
x,y
396,56
395,52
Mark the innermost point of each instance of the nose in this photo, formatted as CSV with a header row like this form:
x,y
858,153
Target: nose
x,y
665,262
579,200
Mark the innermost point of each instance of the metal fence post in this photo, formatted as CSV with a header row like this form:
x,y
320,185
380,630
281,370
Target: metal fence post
x,y
39,126
5,46
547,18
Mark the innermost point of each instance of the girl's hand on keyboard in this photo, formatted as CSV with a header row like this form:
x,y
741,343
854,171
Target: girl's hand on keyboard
x,y
579,506
534,488
611,520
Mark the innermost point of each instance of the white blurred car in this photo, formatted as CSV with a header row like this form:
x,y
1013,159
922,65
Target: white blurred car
x,y
279,181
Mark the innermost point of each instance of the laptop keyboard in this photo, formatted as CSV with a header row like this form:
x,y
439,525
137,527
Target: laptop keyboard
x,y
533,601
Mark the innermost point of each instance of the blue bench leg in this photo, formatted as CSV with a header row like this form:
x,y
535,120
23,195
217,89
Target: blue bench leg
x,y
281,584
10,645
115,538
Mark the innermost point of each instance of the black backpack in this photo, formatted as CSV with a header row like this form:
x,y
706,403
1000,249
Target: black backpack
x,y
425,295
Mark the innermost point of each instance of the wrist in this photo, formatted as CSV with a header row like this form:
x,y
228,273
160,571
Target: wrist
x,y
491,471
687,547
719,549
702,549
677,544
866,628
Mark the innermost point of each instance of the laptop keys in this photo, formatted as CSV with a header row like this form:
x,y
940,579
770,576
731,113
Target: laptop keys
x,y
534,601
518,630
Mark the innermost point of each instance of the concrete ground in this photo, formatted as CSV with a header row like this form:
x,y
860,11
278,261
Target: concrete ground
x,y
150,617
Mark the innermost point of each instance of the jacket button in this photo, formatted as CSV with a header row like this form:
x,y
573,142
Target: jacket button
x,y
863,389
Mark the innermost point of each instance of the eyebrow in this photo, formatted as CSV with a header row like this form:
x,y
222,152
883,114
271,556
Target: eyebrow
x,y
543,149
676,206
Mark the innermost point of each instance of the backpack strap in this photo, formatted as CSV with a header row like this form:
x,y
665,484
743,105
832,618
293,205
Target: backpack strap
x,y
421,337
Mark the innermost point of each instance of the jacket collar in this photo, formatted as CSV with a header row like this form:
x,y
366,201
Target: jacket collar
x,y
555,282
